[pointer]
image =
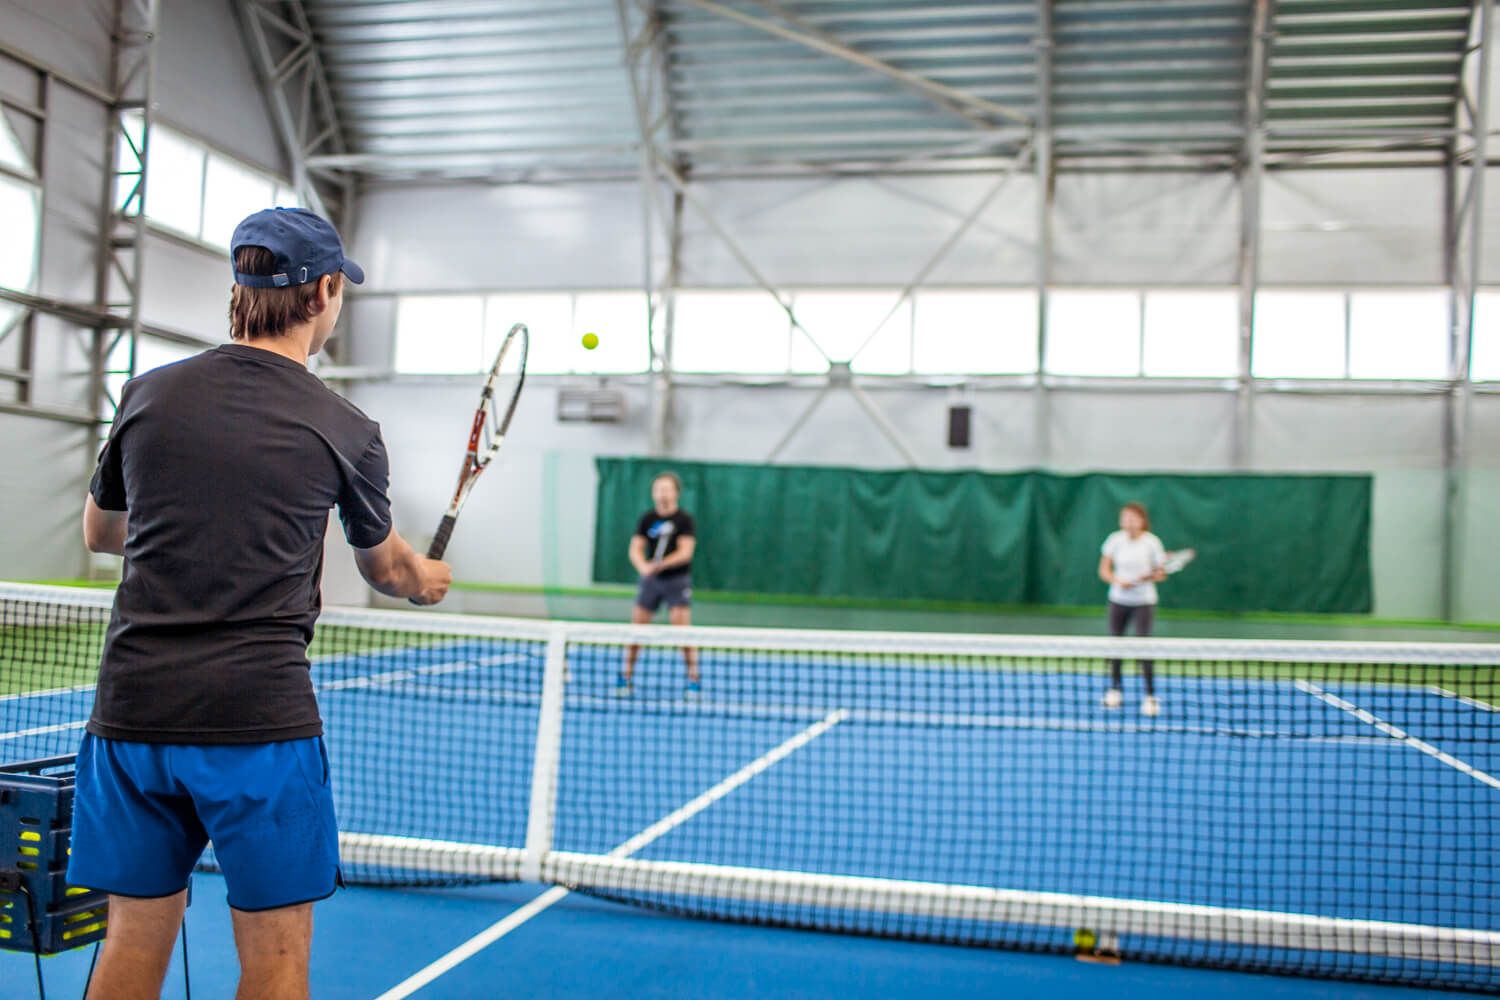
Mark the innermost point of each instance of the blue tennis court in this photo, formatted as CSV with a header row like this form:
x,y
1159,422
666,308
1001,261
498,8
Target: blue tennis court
x,y
1327,795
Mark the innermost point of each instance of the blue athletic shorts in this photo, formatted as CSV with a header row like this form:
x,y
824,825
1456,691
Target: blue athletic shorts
x,y
673,591
143,812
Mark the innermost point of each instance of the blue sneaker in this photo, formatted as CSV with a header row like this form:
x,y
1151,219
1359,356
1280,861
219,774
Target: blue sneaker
x,y
623,688
694,689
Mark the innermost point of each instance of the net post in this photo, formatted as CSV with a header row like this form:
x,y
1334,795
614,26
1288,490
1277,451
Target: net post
x,y
548,751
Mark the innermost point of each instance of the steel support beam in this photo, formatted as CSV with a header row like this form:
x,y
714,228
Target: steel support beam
x,y
119,255
1252,173
92,317
287,61
1043,151
975,110
1462,261
666,313
645,66
119,261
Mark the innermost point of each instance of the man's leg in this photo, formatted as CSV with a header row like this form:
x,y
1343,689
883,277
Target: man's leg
x,y
274,947
137,947
638,616
683,615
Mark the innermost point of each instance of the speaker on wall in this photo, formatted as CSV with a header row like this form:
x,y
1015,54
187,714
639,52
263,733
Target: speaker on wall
x,y
958,426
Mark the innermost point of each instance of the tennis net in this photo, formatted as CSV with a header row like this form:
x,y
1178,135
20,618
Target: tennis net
x,y
1326,809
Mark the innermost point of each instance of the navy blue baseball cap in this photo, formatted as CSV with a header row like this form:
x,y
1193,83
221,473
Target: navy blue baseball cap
x,y
305,245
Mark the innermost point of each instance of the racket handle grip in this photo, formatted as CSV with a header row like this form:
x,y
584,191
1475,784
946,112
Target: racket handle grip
x,y
440,540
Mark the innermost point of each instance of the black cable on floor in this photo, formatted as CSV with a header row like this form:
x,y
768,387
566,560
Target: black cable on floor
x,y
36,941
88,980
187,984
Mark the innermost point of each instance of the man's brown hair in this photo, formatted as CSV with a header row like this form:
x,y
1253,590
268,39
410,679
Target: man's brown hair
x,y
270,312
670,476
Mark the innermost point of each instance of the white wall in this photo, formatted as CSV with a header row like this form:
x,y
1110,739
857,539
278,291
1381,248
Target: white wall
x,y
40,535
531,522
507,534
206,83
71,35
471,236
1330,227
1352,227
205,86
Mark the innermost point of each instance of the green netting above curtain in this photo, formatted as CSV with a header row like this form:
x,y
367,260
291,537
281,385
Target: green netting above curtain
x,y
1265,543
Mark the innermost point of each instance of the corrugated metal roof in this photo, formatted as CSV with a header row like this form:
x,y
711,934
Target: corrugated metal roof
x,y
1341,68
478,86
745,96
501,87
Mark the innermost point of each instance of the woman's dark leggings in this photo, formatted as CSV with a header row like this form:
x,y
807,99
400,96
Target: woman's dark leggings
x,y
1120,616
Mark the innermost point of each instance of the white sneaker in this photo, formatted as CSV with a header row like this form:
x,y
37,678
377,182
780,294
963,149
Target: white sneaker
x,y
1150,706
1114,698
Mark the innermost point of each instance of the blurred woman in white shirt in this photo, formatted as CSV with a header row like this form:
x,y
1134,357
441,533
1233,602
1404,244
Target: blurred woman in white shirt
x,y
1131,562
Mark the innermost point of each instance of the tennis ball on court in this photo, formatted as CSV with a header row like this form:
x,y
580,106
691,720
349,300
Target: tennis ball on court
x,y
590,341
1084,939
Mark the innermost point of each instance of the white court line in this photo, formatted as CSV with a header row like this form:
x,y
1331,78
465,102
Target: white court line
x,y
391,677
412,673
1472,702
77,688
1398,734
676,818
43,730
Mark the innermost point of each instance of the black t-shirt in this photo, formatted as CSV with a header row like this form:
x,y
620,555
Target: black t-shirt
x,y
228,464
650,526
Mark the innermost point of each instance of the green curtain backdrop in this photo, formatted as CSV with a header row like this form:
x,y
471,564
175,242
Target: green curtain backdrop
x,y
1265,543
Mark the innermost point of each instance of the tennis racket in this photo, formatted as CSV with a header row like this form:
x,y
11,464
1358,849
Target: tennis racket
x,y
497,404
1177,561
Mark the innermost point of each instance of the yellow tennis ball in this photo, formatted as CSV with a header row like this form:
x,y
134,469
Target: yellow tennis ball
x,y
590,341
1084,939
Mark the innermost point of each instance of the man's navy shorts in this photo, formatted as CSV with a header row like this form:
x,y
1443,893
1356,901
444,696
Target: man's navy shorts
x,y
143,812
674,591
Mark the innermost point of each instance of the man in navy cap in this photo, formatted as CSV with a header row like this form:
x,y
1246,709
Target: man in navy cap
x,y
215,486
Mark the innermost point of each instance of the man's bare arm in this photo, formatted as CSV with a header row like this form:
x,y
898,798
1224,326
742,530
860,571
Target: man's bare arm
x,y
104,530
395,569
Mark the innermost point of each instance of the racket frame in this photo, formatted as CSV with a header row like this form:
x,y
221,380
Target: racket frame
x,y
479,453
1182,557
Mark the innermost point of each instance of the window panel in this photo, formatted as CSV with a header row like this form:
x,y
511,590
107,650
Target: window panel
x,y
841,322
551,350
439,334
230,193
619,320
174,182
1484,360
12,152
1298,335
975,332
1397,335
1191,334
21,208
1094,333
744,332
